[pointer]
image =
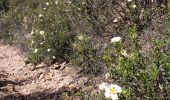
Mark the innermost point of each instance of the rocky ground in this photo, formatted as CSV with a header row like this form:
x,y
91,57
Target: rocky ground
x,y
19,81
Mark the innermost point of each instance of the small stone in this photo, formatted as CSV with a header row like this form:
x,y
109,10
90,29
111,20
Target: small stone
x,y
57,67
27,61
83,81
42,65
63,65
41,76
74,86
30,66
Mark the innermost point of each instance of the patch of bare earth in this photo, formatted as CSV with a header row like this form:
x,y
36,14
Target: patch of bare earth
x,y
18,81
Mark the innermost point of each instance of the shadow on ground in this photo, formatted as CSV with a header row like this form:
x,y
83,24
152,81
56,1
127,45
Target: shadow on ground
x,y
43,95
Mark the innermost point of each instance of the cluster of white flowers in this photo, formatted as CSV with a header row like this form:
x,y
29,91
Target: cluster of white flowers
x,y
111,90
115,39
107,75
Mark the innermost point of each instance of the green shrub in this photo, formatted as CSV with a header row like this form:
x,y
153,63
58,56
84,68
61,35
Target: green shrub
x,y
50,34
85,54
143,78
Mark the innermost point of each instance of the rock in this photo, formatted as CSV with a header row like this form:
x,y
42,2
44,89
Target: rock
x,y
74,86
27,61
63,65
82,81
41,77
56,66
30,66
42,65
10,88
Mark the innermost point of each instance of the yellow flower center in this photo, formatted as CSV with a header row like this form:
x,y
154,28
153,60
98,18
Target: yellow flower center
x,y
112,90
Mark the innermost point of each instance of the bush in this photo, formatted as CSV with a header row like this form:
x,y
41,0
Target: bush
x,y
50,34
142,78
85,54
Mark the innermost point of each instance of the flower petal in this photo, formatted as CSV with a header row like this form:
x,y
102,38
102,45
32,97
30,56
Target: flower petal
x,y
114,96
115,39
117,88
103,86
107,94
107,89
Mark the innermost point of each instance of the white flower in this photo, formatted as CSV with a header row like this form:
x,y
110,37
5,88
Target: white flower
x,y
44,8
40,15
115,39
42,32
129,0
112,96
42,43
36,50
69,2
133,6
83,3
115,20
47,3
54,57
56,2
112,90
80,37
124,53
107,75
48,50
79,9
117,88
32,42
103,86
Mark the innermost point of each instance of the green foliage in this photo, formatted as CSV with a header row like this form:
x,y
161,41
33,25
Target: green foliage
x,y
85,54
143,78
50,35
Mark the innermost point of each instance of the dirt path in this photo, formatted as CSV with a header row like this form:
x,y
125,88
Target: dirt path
x,y
17,81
